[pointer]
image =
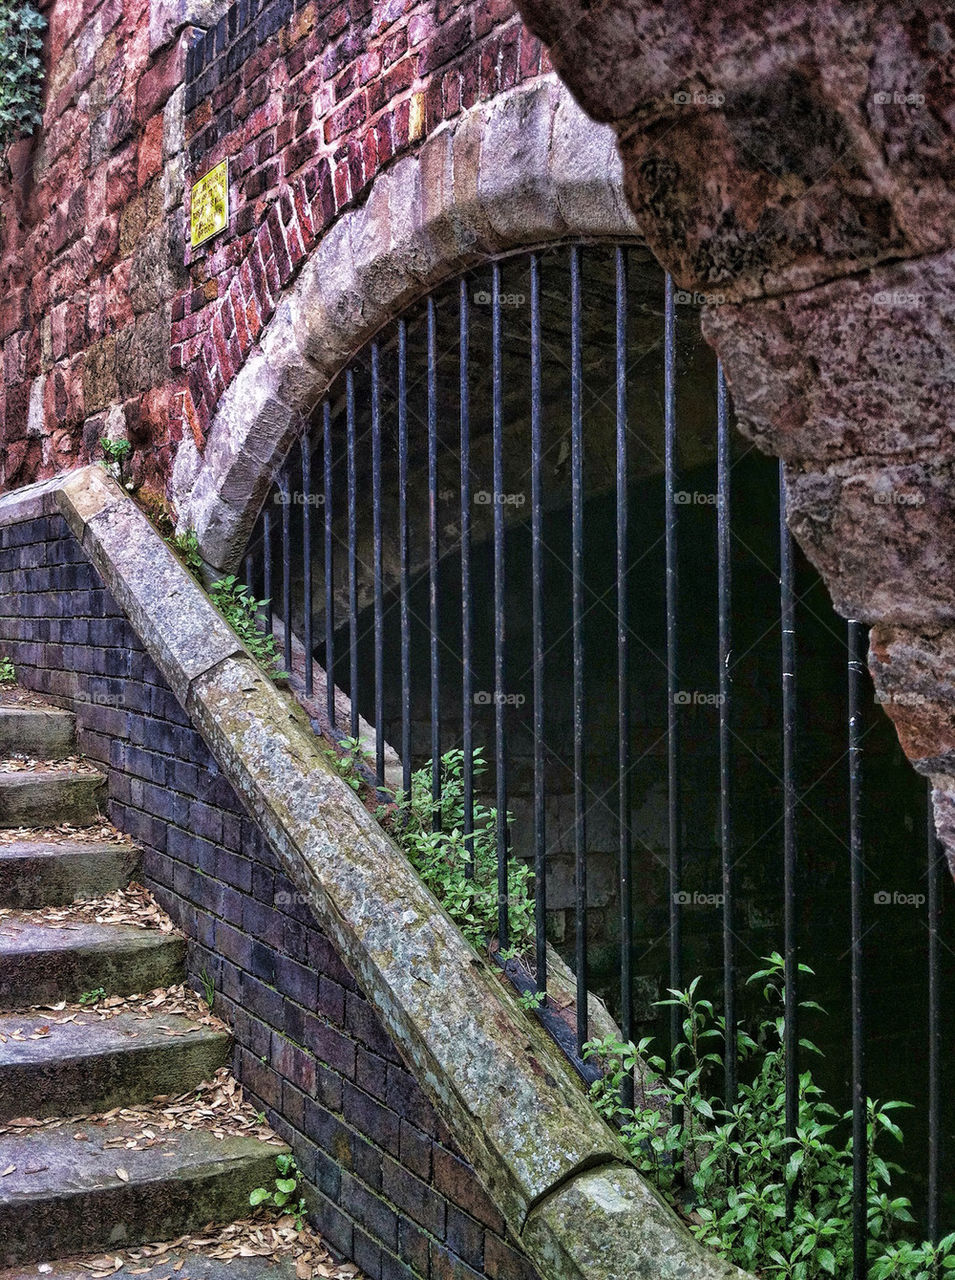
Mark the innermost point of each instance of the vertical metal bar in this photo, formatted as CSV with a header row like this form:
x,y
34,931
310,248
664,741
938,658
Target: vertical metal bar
x,y
467,671
329,565
352,550
433,551
500,718
787,618
404,551
934,1028
724,593
379,605
675,833
577,577
286,486
623,672
855,639
250,573
537,623
267,567
307,636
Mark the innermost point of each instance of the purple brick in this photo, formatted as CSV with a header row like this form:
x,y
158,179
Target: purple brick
x,y
362,1021
370,1210
371,1118
330,1046
415,1150
335,1227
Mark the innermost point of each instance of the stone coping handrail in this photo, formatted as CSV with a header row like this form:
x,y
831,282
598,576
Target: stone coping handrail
x,y
555,1170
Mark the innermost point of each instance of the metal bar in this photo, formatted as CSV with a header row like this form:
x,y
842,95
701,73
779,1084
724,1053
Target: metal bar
x,y
787,619
537,640
467,670
855,639
577,584
379,606
267,567
286,489
623,673
307,637
725,605
674,805
250,573
500,707
934,1028
329,565
433,552
404,551
352,550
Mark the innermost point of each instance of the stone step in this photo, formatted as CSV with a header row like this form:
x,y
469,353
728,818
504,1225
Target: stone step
x,y
44,733
40,964
190,1264
93,1064
41,874
63,1196
48,797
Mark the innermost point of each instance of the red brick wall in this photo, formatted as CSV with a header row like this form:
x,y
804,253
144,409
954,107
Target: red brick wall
x,y
107,322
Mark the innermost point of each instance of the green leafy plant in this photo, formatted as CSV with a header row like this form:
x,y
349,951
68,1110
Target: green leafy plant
x,y
285,1195
21,69
208,988
8,672
248,617
115,453
186,546
93,997
732,1169
463,878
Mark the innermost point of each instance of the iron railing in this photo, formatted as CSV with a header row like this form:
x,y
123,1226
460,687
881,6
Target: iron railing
x,y
575,370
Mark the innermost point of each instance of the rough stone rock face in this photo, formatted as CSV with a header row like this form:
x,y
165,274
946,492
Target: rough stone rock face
x,y
794,163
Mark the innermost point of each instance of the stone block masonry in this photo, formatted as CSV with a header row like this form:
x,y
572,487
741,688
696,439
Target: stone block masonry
x,y
436,1124
388,1186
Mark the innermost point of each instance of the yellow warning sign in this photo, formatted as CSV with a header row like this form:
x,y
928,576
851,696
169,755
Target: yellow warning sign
x,y
210,204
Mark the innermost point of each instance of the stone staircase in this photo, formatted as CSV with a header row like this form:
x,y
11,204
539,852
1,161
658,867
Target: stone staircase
x,y
96,1182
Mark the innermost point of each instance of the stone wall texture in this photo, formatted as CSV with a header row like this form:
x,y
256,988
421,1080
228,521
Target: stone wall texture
x,y
387,1185
794,164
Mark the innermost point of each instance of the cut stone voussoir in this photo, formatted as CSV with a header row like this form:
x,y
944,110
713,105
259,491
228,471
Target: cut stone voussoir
x,y
91,1064
43,965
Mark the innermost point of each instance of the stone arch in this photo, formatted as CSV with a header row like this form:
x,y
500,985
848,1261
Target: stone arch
x,y
527,168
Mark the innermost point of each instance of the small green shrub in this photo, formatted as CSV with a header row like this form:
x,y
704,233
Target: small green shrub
x,y
348,758
186,546
248,617
442,858
733,1168
115,453
94,996
285,1195
21,69
8,672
